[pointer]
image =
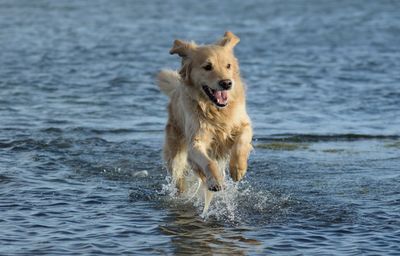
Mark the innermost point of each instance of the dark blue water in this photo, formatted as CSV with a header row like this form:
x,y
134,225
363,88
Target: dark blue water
x,y
81,129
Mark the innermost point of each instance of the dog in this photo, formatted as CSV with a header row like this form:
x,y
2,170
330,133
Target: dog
x,y
208,125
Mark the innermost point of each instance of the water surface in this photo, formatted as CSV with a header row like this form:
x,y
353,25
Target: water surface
x,y
80,117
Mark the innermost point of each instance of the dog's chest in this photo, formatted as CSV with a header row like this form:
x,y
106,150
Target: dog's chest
x,y
222,127
223,139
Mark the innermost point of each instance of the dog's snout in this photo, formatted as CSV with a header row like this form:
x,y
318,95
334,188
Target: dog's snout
x,y
226,84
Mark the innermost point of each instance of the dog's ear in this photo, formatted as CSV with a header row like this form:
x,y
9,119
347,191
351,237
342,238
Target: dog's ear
x,y
182,48
229,40
185,70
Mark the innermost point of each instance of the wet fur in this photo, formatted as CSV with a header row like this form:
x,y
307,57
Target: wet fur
x,y
200,136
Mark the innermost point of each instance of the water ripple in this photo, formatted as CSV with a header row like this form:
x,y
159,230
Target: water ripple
x,y
82,125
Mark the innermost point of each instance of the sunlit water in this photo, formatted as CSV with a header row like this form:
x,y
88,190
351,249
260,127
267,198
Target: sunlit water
x,y
81,129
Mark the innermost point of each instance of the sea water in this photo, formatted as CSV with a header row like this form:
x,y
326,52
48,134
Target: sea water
x,y
82,125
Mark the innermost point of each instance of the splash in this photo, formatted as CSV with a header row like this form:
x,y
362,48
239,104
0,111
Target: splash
x,y
237,203
169,188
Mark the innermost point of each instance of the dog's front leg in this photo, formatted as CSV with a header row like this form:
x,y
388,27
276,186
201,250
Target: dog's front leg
x,y
198,155
240,153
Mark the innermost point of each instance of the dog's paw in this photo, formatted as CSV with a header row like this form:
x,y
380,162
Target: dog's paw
x,y
214,178
236,173
217,188
214,185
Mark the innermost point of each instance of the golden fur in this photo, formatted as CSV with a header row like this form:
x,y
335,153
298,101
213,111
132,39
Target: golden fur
x,y
200,135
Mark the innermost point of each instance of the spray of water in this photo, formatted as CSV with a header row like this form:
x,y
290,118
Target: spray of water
x,y
237,203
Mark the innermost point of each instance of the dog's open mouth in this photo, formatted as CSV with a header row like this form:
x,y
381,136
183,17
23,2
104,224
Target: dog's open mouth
x,y
219,98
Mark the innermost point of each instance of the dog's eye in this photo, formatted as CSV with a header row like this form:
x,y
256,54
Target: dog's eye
x,y
228,66
208,67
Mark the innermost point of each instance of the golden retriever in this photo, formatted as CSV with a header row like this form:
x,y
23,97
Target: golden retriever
x,y
208,125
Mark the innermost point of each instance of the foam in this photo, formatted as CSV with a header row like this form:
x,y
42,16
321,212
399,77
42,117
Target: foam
x,y
237,203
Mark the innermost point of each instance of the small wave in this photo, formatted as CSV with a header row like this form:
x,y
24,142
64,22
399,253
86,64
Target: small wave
x,y
4,178
87,130
287,137
56,143
30,144
52,130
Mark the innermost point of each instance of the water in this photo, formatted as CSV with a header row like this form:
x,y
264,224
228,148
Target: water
x,y
81,116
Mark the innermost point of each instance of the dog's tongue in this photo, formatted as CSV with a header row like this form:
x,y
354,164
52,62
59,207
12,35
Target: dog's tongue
x,y
221,96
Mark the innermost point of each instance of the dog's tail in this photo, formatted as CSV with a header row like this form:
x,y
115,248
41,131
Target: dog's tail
x,y
168,81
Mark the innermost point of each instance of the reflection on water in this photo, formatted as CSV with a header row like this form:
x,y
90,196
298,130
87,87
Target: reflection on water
x,y
192,235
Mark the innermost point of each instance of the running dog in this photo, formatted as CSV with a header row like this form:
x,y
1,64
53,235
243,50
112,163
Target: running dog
x,y
208,126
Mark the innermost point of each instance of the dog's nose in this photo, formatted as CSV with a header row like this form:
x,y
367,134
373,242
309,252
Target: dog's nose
x,y
226,84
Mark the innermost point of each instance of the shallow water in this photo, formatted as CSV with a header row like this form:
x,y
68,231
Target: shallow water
x,y
81,117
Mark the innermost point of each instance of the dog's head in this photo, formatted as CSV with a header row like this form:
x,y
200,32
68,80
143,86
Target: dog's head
x,y
212,70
